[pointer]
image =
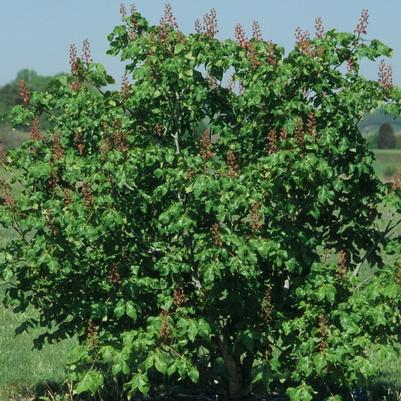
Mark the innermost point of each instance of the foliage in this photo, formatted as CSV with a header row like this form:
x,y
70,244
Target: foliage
x,y
10,93
229,260
386,139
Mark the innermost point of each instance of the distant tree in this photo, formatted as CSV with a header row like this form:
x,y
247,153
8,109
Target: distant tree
x,y
9,93
386,139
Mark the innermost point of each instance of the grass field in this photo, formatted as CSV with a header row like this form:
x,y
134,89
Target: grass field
x,y
24,371
387,162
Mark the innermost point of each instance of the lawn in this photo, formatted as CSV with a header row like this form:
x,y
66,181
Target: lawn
x,y
387,162
24,371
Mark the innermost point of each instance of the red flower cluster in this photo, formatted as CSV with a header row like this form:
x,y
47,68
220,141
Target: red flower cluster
x,y
299,131
266,305
165,331
123,11
256,224
362,26
105,146
209,27
79,142
67,197
303,42
342,265
323,331
119,137
35,134
210,23
272,141
215,230
73,59
57,149
125,88
24,92
311,124
179,297
271,57
87,194
114,275
232,164
168,19
319,28
256,31
206,145
385,75
86,52
241,37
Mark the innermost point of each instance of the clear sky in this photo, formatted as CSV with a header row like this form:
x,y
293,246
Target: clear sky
x,y
37,34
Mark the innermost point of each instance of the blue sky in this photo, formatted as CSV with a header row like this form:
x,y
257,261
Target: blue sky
x,y
37,34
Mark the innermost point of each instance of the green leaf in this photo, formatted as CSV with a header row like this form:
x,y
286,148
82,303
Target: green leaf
x,y
131,311
91,382
193,374
119,310
300,393
161,362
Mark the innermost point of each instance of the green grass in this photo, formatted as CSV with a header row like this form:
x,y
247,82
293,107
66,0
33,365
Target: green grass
x,y
24,370
387,162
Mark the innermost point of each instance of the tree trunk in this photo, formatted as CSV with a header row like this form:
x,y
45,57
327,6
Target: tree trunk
x,y
238,374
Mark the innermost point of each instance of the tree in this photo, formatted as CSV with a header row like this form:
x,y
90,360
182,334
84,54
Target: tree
x,y
386,139
178,260
10,93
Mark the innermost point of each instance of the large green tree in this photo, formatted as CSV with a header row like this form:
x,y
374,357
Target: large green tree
x,y
233,263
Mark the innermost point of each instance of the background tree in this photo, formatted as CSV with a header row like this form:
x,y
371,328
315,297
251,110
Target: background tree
x,y
386,138
232,263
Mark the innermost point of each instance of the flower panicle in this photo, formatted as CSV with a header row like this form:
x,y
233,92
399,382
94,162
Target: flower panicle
x,y
272,141
74,63
24,92
323,332
216,236
232,162
35,133
385,75
206,145
311,124
241,37
123,11
57,149
125,86
319,27
303,42
362,26
256,31
210,23
342,265
86,52
168,18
